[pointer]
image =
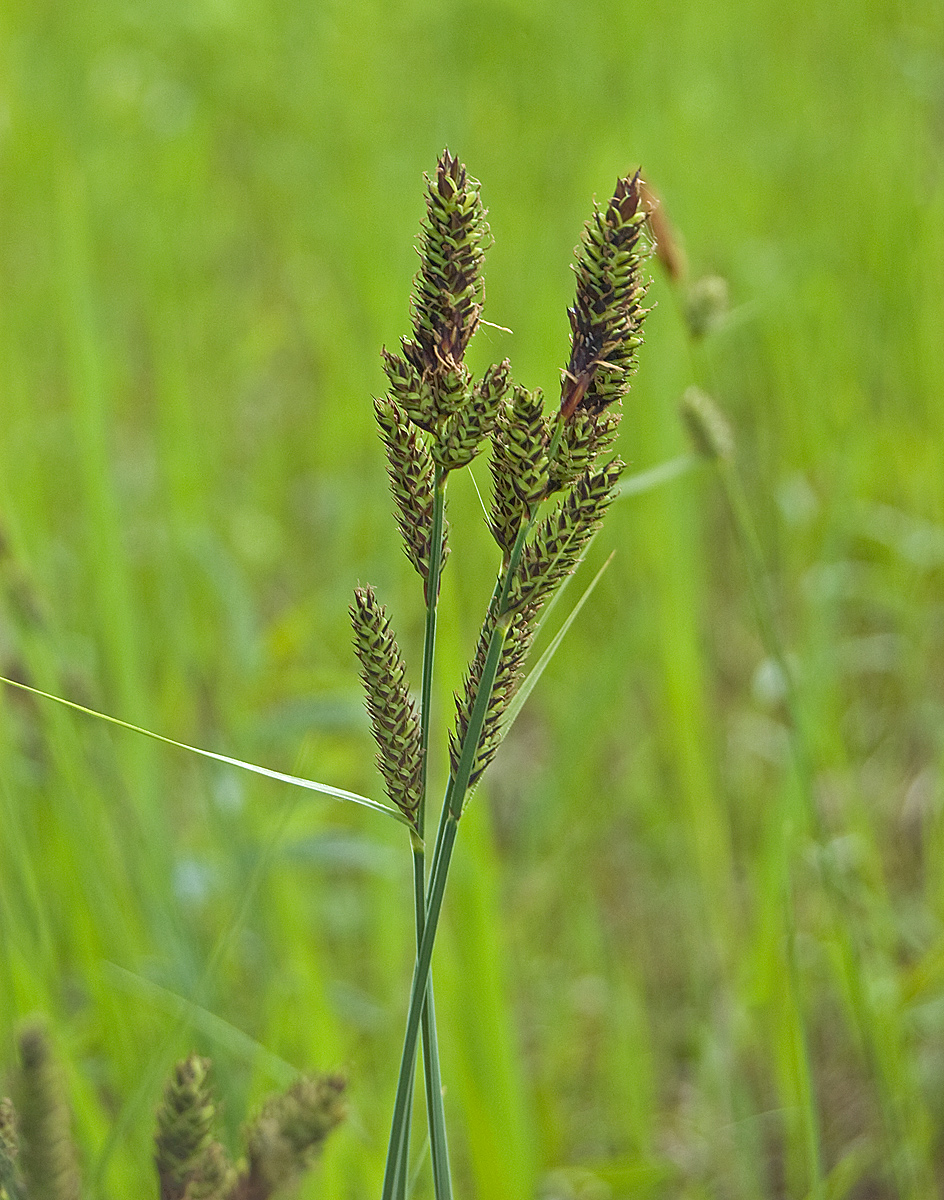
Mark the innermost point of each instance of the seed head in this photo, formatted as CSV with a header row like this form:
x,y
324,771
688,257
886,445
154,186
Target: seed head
x,y
555,548
518,465
707,425
47,1156
459,438
448,291
393,715
508,677
411,471
583,439
706,305
288,1134
607,316
191,1164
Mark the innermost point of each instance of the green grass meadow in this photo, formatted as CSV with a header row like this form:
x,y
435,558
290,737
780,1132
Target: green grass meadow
x,y
693,943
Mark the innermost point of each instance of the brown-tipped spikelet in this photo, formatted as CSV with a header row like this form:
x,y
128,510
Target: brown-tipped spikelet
x,y
550,555
518,465
412,480
288,1134
707,425
411,391
392,712
607,315
191,1164
47,1158
448,291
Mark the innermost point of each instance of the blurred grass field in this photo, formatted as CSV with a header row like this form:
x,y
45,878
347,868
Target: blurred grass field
x,y
653,980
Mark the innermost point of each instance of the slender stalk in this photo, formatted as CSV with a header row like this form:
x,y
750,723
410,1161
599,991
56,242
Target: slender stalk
x,y
418,993
439,1148
442,857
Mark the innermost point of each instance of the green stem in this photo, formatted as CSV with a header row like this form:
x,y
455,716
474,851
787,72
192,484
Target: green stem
x,y
442,857
439,1148
418,993
429,641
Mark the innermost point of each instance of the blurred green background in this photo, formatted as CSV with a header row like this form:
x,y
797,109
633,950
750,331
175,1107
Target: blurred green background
x,y
653,980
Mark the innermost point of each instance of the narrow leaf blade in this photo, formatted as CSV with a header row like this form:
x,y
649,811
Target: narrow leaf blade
x,y
296,781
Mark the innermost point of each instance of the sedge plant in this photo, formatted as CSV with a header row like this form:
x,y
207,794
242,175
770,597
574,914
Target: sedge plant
x,y
553,478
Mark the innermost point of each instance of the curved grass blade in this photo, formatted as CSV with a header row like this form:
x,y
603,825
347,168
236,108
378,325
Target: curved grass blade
x,y
531,679
231,1038
295,780
664,472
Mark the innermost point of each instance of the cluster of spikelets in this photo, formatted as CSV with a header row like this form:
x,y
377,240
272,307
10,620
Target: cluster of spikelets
x,y
552,479
38,1159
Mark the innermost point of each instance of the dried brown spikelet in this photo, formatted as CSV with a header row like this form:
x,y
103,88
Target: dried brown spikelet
x,y
668,249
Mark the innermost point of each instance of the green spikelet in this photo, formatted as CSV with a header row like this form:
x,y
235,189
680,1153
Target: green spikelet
x,y
518,465
558,541
411,390
551,554
191,1165
392,712
11,1182
288,1134
412,479
462,434
508,677
583,439
47,1156
707,425
607,315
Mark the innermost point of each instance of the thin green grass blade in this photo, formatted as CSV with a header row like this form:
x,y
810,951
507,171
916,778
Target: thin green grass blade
x,y
196,1016
665,472
295,780
531,679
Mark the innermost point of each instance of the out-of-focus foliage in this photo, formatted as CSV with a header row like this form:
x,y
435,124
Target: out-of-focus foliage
x,y
207,214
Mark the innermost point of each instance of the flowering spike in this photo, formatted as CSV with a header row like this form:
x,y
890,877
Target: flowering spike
x,y
555,548
392,712
412,480
448,291
519,464
47,1156
191,1164
607,315
288,1134
707,425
